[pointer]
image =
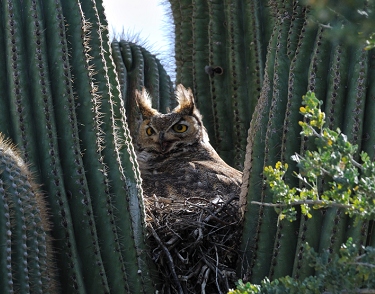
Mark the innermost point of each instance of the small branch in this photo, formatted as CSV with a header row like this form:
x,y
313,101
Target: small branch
x,y
217,271
356,164
301,202
363,264
205,279
169,260
361,291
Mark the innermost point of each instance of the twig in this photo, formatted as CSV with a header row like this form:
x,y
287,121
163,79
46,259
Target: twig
x,y
217,270
308,202
211,214
209,264
361,291
193,273
363,264
183,260
221,208
169,260
205,278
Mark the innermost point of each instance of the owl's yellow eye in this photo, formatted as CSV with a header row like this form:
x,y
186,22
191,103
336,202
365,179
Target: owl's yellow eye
x,y
150,131
180,128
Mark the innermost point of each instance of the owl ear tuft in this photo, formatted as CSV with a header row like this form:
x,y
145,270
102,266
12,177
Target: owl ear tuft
x,y
144,103
185,98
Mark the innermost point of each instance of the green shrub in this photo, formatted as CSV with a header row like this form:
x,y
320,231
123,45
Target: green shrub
x,y
348,184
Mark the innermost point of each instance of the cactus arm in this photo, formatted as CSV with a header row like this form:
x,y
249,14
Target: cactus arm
x,y
368,144
369,118
29,256
353,124
26,254
157,83
37,267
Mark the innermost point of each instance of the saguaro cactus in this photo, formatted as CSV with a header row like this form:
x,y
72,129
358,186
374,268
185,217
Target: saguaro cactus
x,y
68,118
26,251
301,57
220,54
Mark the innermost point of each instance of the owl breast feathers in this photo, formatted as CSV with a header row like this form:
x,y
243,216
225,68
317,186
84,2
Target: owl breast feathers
x,y
174,154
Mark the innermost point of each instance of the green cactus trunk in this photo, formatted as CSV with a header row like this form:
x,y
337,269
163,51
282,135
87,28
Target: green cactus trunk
x,y
301,56
220,54
68,118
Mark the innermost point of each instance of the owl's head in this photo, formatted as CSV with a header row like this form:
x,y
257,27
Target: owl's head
x,y
171,132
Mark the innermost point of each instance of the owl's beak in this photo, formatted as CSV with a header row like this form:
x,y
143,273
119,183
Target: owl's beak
x,y
164,145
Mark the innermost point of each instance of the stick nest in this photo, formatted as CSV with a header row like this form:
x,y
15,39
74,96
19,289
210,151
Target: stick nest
x,y
194,243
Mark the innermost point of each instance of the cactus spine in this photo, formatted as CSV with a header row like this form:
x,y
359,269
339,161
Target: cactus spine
x,y
68,118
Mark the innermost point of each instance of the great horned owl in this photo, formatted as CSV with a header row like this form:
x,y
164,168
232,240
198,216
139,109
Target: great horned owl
x,y
174,154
